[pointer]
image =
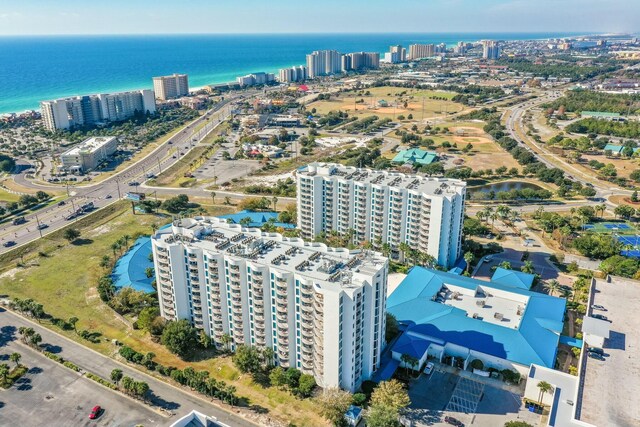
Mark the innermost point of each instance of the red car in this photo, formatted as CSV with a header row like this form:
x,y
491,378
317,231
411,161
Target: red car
x,y
95,412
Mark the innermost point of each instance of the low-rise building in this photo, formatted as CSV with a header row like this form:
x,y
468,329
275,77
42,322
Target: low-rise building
x,y
415,156
89,153
457,319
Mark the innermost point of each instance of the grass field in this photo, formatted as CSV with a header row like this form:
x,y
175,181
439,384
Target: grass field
x,y
419,103
55,277
8,197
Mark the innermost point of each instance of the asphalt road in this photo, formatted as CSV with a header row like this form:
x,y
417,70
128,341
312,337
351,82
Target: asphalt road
x,y
50,394
112,188
172,398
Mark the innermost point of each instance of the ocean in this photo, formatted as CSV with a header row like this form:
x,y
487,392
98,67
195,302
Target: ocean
x,y
37,68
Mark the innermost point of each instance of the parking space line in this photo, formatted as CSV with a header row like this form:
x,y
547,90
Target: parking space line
x,y
465,396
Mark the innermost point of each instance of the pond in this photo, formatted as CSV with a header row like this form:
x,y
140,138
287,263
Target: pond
x,y
503,186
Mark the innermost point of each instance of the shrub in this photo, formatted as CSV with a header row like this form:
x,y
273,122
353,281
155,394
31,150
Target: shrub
x,y
71,366
101,380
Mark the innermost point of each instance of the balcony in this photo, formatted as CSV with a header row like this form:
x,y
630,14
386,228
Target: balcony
x,y
282,317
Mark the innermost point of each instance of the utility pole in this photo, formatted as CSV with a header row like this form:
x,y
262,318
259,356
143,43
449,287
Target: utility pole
x,y
38,226
118,184
159,167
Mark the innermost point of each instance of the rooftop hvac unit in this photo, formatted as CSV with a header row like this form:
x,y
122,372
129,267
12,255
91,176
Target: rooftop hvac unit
x,y
498,316
481,303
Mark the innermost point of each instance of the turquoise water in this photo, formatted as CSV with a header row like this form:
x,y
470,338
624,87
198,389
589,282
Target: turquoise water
x,y
33,69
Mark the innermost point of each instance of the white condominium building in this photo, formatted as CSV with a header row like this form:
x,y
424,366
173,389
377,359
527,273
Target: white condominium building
x,y
293,74
324,63
419,51
168,87
255,79
321,310
383,207
360,61
65,113
490,49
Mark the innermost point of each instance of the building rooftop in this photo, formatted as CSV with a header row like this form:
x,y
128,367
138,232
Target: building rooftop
x,y
496,319
314,260
417,183
89,145
415,155
513,278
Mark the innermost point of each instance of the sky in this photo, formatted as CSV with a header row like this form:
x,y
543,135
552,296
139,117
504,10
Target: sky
x,y
30,17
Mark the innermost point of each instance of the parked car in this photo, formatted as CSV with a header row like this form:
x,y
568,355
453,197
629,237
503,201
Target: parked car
x,y
488,258
61,203
598,307
108,196
600,316
134,184
596,356
9,243
429,368
596,350
95,412
453,421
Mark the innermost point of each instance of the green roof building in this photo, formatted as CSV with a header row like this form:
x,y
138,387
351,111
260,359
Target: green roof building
x,y
415,155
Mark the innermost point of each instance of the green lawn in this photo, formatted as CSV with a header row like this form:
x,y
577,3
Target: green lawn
x,y
63,276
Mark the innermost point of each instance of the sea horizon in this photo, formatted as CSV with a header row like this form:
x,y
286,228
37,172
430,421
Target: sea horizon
x,y
34,68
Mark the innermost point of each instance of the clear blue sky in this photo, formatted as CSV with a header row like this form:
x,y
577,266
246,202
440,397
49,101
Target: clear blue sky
x,y
20,17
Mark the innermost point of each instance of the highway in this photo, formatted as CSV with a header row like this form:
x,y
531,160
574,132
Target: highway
x,y
514,123
113,188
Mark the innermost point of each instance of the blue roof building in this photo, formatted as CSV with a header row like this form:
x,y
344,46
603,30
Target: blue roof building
x,y
258,219
617,149
513,278
502,323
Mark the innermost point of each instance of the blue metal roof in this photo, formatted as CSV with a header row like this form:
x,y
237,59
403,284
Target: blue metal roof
x,y
353,413
535,340
513,278
258,219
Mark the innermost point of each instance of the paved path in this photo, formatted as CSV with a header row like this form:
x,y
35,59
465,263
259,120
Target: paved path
x,y
172,398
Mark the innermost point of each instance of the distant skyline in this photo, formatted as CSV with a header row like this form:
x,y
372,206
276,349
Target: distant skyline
x,y
46,17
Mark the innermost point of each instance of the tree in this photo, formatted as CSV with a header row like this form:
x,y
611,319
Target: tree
x,y
72,321
392,327
517,424
381,416
213,197
71,234
528,267
226,340
333,403
277,377
15,358
390,394
116,375
247,359
4,371
147,316
544,387
35,339
553,286
634,196
624,211
180,337
469,257
306,384
141,388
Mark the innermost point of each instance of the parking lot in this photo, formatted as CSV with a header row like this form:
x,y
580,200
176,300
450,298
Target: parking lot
x,y
611,387
469,399
50,394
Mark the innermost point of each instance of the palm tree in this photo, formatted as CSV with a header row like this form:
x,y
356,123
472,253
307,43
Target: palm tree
x,y
275,203
469,257
126,239
406,359
553,286
4,371
601,208
73,321
213,197
404,248
115,247
226,341
15,358
544,387
35,339
565,292
493,217
105,262
154,227
386,249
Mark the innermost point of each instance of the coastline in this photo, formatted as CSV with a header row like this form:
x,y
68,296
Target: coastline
x,y
208,59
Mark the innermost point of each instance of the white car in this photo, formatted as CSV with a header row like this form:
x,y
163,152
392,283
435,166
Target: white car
x,y
488,258
429,368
